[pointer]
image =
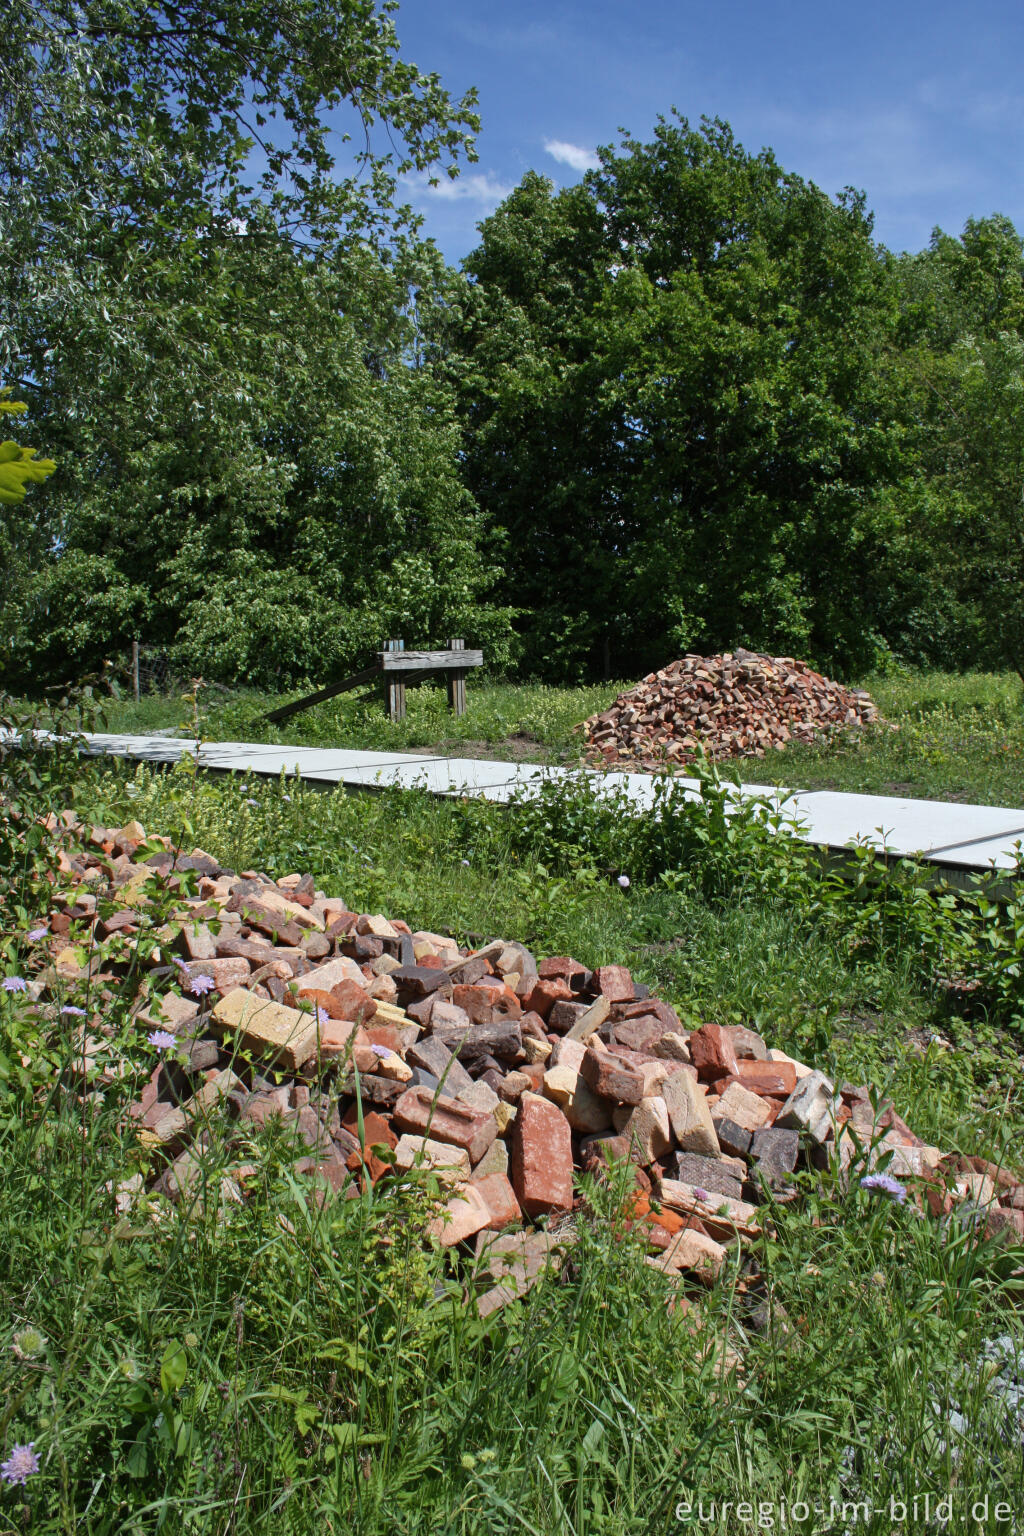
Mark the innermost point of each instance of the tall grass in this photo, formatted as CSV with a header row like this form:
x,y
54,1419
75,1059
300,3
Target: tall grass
x,y
282,1363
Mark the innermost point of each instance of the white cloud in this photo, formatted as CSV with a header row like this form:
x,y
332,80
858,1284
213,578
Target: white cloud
x,y
577,158
481,187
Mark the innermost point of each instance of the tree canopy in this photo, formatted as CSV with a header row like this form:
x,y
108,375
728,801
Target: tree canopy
x,y
687,403
668,378
217,314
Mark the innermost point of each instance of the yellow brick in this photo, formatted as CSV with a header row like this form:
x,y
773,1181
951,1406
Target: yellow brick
x,y
266,1028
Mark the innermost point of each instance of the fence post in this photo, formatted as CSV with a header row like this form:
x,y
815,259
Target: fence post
x,y
394,686
457,682
135,670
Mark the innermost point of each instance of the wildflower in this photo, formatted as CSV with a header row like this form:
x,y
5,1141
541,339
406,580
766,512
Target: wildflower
x,y
162,1040
464,863
624,882
28,1344
15,984
322,1016
200,985
287,798
885,1184
21,1464
78,1013
35,934
254,803
382,1051
701,1194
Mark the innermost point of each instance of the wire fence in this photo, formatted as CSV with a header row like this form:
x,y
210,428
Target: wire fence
x,y
151,670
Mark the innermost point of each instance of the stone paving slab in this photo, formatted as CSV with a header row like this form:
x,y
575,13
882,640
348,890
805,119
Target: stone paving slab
x,y
963,837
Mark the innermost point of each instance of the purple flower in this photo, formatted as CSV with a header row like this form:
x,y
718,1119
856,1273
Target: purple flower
x,y
79,1013
21,1464
35,934
624,882
252,802
885,1184
162,1040
15,984
200,985
701,1194
382,1051
322,1016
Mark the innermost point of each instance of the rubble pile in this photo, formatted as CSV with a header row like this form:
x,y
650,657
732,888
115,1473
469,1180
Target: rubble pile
x,y
386,1050
735,705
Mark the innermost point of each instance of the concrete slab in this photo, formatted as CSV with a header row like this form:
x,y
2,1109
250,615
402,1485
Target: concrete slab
x,y
906,828
959,837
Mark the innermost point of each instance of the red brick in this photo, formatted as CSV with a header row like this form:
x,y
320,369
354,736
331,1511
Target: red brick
x,y
611,1078
352,999
534,1070
614,982
652,1006
501,1200
533,1024
335,1036
465,1214
771,1079
444,1119
712,1053
540,1163
386,1035
376,1130
325,1000
1003,1221
638,1034
227,974
560,965
487,1003
545,994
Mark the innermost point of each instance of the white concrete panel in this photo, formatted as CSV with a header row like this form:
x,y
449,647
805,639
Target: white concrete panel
x,y
903,827
962,836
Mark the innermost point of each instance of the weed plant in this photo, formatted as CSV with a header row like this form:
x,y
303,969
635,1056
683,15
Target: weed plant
x,y
288,1364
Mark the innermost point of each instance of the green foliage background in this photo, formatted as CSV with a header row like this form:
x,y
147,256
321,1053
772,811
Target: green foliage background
x,y
686,404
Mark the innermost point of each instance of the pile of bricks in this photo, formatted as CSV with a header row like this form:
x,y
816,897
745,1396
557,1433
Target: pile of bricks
x,y
386,1050
735,705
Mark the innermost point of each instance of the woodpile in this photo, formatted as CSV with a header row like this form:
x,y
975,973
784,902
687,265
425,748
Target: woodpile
x,y
738,704
491,1076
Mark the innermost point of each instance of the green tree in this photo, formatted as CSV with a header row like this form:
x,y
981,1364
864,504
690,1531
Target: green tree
x,y
671,384
958,378
215,318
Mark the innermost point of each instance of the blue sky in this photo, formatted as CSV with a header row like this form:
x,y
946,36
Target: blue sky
x,y
920,105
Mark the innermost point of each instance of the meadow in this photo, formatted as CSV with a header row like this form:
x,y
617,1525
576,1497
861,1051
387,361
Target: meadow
x,y
944,736
295,1367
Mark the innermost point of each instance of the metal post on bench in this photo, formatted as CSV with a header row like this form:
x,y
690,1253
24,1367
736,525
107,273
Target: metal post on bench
x,y
394,685
456,682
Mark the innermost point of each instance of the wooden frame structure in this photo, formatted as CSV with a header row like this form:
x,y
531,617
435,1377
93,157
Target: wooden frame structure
x,y
397,667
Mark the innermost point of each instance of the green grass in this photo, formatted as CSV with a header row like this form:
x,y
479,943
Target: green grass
x,y
956,737
277,1366
529,721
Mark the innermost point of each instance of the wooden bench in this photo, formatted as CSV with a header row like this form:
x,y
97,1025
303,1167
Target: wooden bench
x,y
397,667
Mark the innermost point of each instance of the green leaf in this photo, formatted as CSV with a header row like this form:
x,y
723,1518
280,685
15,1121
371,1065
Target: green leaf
x,y
173,1368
